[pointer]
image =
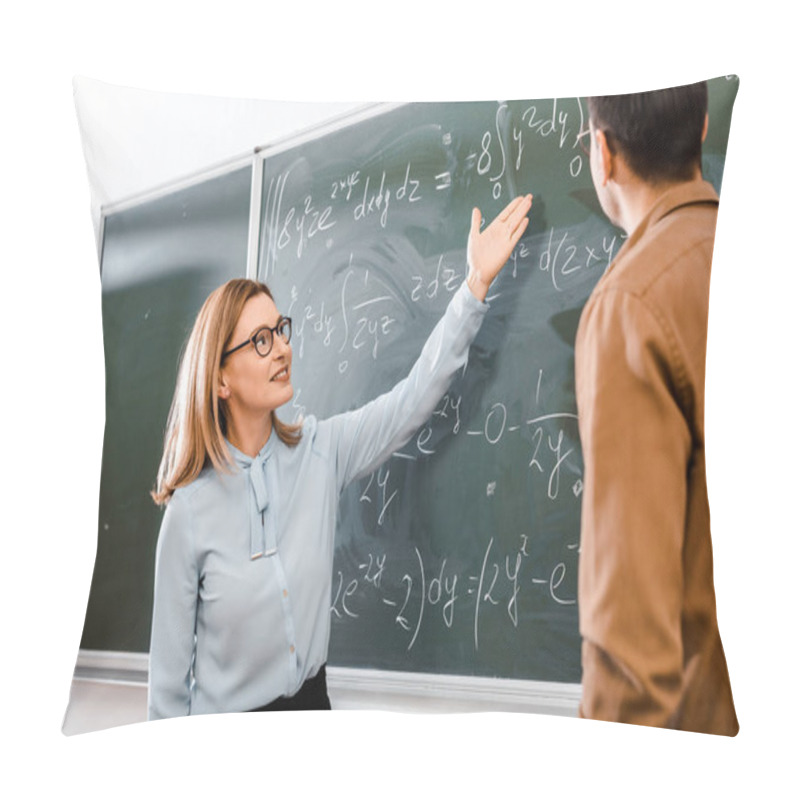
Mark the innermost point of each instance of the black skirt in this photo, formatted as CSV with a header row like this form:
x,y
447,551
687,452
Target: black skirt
x,y
312,696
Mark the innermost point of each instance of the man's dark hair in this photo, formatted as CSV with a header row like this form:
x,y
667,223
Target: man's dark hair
x,y
660,134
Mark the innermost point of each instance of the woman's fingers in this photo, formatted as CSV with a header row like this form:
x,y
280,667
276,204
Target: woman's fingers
x,y
475,222
517,211
509,209
514,214
495,242
516,233
489,250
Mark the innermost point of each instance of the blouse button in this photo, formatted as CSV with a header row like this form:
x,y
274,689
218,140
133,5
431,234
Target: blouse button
x,y
285,592
291,649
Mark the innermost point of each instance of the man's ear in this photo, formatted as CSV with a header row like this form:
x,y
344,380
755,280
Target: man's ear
x,y
606,156
705,129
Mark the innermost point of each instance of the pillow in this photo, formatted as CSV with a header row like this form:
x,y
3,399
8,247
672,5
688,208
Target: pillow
x,y
455,570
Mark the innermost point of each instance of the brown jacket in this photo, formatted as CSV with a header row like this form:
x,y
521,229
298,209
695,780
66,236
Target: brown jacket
x,y
652,653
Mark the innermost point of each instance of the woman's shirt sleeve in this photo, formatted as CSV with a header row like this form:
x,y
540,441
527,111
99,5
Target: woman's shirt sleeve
x,y
365,438
172,639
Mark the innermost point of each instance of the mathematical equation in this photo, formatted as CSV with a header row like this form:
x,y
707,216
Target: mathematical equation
x,y
438,592
550,453
297,216
434,594
357,315
562,122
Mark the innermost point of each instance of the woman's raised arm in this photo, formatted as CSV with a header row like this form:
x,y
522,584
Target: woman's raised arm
x,y
363,439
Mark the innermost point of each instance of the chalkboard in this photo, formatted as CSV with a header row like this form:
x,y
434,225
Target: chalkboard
x,y
459,556
160,260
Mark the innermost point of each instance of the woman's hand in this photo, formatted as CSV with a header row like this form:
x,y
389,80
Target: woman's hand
x,y
489,250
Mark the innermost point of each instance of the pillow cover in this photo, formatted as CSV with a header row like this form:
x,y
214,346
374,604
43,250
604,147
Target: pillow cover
x,y
455,571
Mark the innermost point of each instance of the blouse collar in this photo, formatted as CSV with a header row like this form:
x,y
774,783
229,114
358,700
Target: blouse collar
x,y
243,460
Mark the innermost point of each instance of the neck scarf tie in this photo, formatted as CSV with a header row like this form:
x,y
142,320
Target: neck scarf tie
x,y
263,504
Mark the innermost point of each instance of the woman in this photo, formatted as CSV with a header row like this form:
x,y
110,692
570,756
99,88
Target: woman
x,y
241,615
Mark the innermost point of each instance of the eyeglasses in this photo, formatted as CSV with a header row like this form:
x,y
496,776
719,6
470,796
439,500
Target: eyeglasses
x,y
586,148
264,337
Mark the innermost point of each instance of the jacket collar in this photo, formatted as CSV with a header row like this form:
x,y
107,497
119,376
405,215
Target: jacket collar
x,y
683,194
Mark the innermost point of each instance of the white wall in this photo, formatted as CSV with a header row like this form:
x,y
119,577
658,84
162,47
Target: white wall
x,y
135,140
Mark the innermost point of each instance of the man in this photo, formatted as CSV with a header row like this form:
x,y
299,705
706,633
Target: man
x,y
652,653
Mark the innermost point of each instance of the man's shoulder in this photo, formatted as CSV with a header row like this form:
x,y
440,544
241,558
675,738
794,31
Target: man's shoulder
x,y
661,277
673,253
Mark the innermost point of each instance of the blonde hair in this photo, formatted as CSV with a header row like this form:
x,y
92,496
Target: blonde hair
x,y
197,422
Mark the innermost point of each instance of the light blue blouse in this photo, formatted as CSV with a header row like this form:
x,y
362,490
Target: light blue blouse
x,y
244,559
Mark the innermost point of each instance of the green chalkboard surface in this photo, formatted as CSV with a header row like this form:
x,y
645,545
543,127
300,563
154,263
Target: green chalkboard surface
x,y
460,554
160,261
